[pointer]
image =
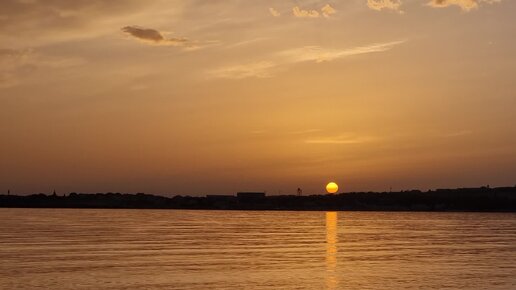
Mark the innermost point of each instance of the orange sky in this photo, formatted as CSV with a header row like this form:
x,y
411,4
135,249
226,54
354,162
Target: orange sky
x,y
196,97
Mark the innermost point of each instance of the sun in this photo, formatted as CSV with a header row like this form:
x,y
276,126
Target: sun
x,y
332,187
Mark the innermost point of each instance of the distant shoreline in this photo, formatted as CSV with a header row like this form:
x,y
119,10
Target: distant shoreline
x,y
483,199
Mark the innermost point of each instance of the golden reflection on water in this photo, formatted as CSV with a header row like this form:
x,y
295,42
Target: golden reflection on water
x,y
176,249
331,250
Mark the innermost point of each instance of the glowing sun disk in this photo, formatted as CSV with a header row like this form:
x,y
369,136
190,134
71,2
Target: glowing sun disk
x,y
332,187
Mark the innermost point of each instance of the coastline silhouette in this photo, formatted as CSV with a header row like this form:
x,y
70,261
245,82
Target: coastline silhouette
x,y
484,199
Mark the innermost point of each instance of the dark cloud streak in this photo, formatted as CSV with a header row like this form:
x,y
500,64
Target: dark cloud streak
x,y
153,36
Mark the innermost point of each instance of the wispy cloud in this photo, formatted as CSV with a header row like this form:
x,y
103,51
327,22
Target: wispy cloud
x,y
384,5
263,69
260,69
319,54
343,139
16,65
395,5
305,13
35,23
328,10
247,42
465,5
274,12
325,11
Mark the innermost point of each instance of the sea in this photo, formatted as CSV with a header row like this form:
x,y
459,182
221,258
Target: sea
x,y
197,249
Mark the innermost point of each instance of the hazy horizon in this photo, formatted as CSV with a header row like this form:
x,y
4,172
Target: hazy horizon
x,y
234,193
207,97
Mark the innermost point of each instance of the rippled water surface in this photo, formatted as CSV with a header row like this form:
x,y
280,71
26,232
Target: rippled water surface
x,y
169,249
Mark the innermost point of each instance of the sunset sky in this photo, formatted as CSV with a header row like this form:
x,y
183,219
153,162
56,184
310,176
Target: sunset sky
x,y
212,96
